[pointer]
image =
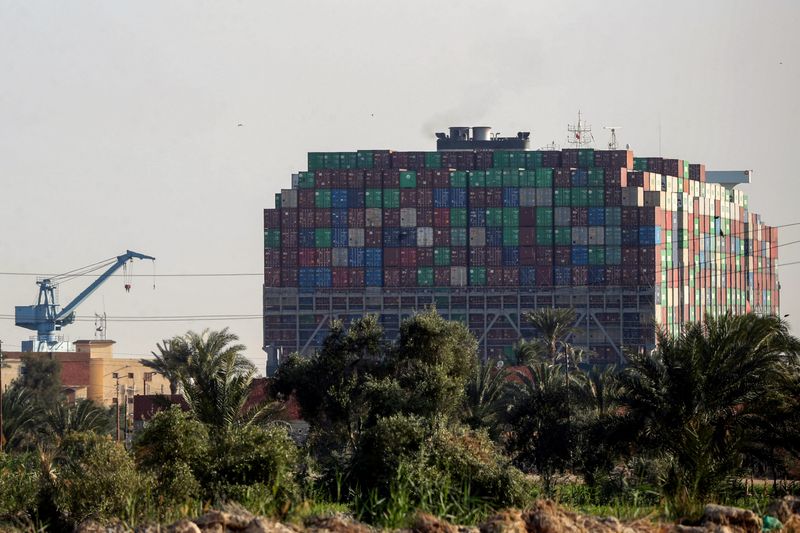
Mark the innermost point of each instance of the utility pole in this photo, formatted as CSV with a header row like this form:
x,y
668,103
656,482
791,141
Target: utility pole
x,y
116,401
2,437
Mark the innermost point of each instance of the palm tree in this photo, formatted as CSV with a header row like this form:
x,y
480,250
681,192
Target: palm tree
x,y
170,361
554,327
83,415
485,392
21,414
599,390
697,400
218,380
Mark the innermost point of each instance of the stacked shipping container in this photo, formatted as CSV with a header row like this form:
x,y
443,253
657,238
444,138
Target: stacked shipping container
x,y
638,242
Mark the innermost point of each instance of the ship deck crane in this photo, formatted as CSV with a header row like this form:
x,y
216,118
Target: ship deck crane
x,y
46,319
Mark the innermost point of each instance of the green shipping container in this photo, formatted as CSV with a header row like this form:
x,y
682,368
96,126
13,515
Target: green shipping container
x,y
373,198
391,198
562,235
458,217
544,236
501,159
533,160
433,160
544,216
408,179
527,178
561,197
332,160
586,157
517,159
322,198
597,177
348,160
613,216
316,160
639,163
458,236
613,235
477,275
494,216
544,177
306,180
595,197
458,178
613,255
494,177
597,255
511,216
580,196
365,159
277,199
477,178
510,236
425,276
441,256
322,237
272,238
511,177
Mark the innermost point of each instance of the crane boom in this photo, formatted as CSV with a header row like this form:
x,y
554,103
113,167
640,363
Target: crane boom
x,y
45,318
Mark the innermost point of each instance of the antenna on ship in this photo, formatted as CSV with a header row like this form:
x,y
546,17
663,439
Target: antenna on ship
x,y
552,146
612,144
580,134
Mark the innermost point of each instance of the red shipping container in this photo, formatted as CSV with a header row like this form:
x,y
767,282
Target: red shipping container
x,y
424,179
562,255
465,160
441,276
544,276
458,256
408,198
289,277
544,256
527,217
494,277
635,178
322,218
355,179
307,257
424,217
322,179
477,197
340,277
373,179
630,256
613,275
373,238
602,158
630,216
323,257
441,178
400,160
382,159
579,216
305,198
425,198
527,236
391,179
511,277
527,255
356,277
580,276
647,275
391,217
441,237
561,177
289,238
484,159
647,256
356,217
391,257
613,196
408,257
306,218
391,277
569,158
339,179
408,277
494,256
272,258
449,160
288,218
647,216
630,276
441,217
272,277
477,256
494,197
289,257
272,218
424,257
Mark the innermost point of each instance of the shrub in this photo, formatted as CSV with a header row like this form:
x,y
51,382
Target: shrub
x,y
96,478
19,485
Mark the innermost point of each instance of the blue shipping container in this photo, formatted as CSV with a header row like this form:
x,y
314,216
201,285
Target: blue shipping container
x,y
562,275
649,235
373,257
339,198
494,236
306,238
307,277
373,277
323,277
441,197
355,199
477,216
339,218
391,237
511,256
597,275
511,197
355,257
597,216
339,237
580,255
458,197
408,237
580,177
527,276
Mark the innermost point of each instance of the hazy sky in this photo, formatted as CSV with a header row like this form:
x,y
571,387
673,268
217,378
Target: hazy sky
x,y
118,120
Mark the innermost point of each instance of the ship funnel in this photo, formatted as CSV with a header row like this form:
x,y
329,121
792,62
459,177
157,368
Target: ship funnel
x,y
481,133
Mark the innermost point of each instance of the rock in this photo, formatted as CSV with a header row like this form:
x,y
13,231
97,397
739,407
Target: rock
x,y
506,521
426,523
262,525
733,519
183,526
90,526
792,524
223,521
784,508
336,523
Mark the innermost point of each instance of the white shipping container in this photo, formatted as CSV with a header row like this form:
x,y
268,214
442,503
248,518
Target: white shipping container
x,y
339,257
373,217
580,235
408,217
596,235
562,216
458,276
424,236
632,196
477,236
527,197
288,198
544,197
356,237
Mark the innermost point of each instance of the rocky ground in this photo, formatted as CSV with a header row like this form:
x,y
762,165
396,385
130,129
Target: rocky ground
x,y
543,517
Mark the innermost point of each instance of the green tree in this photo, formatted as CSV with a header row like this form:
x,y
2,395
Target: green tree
x,y
83,415
42,376
697,401
553,329
485,396
171,361
21,418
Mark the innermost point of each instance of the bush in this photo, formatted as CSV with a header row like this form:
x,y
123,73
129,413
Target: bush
x,y
19,485
96,478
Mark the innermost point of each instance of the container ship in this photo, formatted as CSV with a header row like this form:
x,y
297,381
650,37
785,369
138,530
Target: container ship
x,y
486,229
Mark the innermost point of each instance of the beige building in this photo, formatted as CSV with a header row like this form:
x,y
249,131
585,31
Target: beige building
x,y
92,371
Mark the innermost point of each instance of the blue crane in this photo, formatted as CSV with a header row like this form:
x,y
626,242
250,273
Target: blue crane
x,y
46,319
